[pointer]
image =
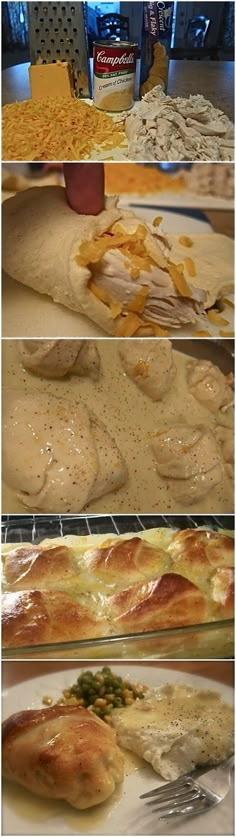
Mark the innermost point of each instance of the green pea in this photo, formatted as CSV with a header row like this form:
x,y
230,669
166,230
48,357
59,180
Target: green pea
x,y
102,691
92,696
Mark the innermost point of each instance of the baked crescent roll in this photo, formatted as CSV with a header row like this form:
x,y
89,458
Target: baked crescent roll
x,y
206,558
150,365
57,456
32,617
167,602
201,550
113,268
127,561
40,567
64,752
57,358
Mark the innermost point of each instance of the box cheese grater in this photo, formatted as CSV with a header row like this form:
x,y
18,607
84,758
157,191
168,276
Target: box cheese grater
x,y
57,32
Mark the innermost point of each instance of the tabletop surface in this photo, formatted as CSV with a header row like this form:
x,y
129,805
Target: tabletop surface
x,y
213,79
17,672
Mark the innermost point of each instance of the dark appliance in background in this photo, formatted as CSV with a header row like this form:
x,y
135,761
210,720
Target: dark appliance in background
x,y
203,30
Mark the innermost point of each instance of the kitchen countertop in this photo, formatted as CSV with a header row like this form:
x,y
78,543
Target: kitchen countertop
x,y
213,79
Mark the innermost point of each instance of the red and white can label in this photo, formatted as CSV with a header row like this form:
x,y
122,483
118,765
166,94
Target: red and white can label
x,y
114,75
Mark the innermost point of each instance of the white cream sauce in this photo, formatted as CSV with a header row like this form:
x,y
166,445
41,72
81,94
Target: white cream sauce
x,y
130,417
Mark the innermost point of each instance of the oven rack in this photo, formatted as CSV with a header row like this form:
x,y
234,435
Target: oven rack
x,y
33,528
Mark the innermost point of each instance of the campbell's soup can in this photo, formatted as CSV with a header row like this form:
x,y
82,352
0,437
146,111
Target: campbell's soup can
x,y
114,74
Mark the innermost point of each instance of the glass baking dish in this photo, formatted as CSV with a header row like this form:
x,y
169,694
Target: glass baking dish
x,y
208,640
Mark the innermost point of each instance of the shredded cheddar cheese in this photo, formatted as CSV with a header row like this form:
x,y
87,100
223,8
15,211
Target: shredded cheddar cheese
x,y
138,303
103,296
190,266
139,180
180,282
201,334
228,302
128,325
216,318
155,329
141,368
185,241
157,221
226,333
57,129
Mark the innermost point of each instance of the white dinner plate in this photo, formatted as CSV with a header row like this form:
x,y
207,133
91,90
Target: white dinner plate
x,y
29,314
125,813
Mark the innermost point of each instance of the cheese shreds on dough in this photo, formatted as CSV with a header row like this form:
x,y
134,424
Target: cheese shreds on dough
x,y
57,129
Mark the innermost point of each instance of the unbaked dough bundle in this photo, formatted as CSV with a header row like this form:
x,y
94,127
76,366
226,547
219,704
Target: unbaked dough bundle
x,y
57,456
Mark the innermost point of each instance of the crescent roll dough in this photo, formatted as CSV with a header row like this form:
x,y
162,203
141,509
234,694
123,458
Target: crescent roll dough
x,y
150,364
57,358
64,752
189,457
122,273
56,455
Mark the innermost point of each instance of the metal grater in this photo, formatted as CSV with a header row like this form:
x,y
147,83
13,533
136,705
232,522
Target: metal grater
x,y
57,32
33,528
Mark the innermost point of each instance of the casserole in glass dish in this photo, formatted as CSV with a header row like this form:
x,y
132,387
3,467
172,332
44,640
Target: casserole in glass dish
x,y
101,561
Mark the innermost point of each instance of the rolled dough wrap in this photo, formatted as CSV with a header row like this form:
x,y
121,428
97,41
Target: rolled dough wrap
x,y
42,236
42,240
213,256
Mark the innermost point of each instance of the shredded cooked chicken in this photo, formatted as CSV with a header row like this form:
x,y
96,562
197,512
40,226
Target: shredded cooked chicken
x,y
162,128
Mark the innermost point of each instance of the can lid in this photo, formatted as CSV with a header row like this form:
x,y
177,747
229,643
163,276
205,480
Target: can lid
x,y
115,44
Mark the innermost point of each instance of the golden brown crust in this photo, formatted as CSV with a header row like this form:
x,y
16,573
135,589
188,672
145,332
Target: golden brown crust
x,y
168,602
38,566
17,723
64,752
127,560
201,549
189,583
33,617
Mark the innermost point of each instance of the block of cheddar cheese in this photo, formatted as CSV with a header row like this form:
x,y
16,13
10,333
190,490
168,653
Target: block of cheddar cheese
x,y
51,80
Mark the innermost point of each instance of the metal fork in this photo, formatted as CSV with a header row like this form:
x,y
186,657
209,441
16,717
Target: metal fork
x,y
186,797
